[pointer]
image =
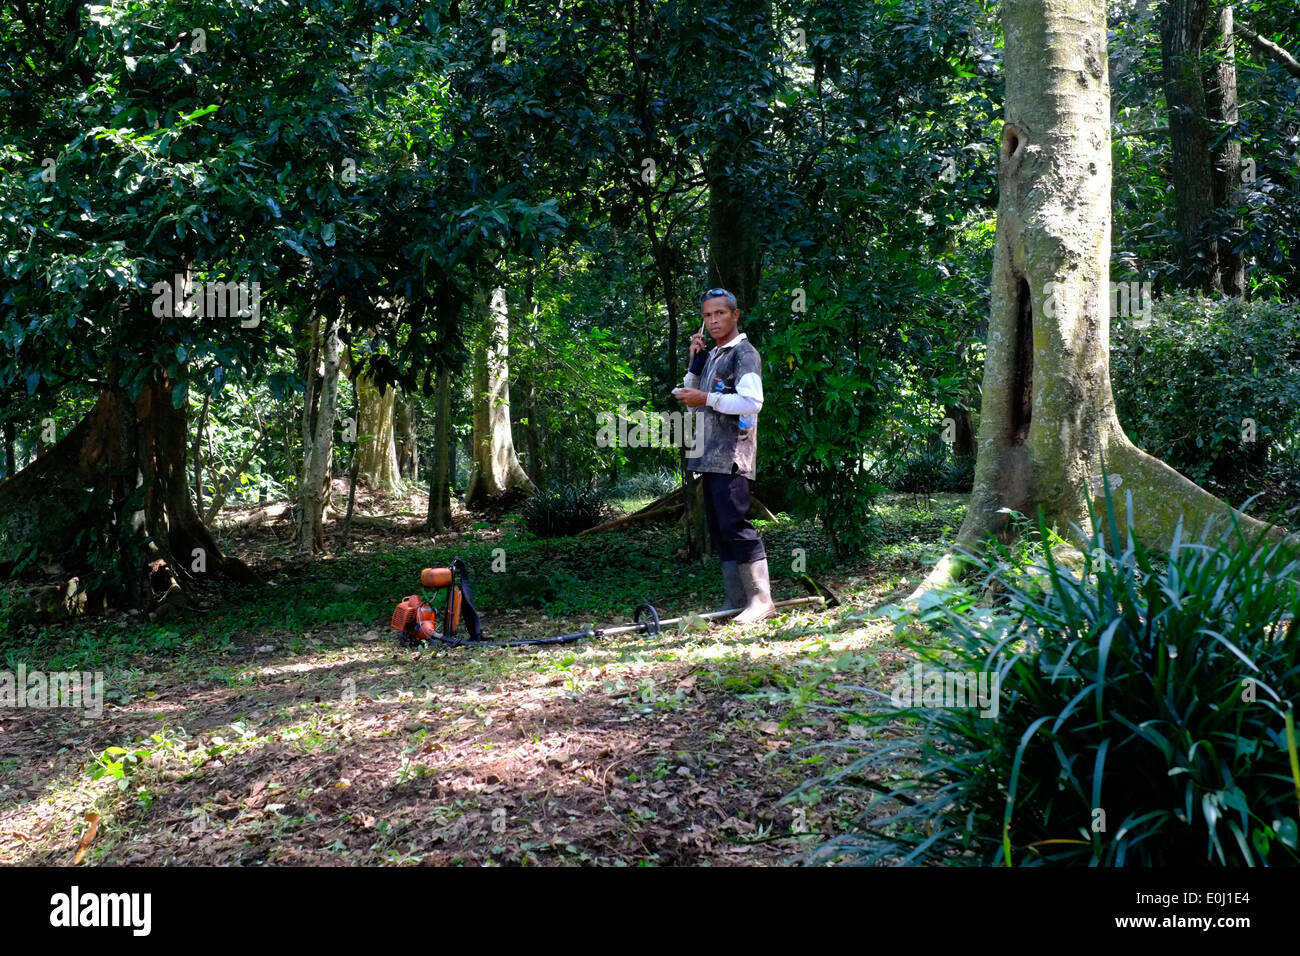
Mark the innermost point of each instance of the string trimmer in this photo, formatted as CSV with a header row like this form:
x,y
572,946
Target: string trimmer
x,y
418,622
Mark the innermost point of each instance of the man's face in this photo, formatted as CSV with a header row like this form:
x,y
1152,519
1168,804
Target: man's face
x,y
719,318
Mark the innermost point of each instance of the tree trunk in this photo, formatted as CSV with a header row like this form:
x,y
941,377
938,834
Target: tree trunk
x,y
1048,420
440,480
377,436
117,479
496,465
408,438
1221,107
963,433
318,441
1182,35
735,256
10,466
197,454
346,530
532,430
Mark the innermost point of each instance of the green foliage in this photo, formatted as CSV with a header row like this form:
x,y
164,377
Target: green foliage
x,y
643,485
249,438
1144,714
568,358
937,469
1188,385
121,763
880,252
558,512
1264,218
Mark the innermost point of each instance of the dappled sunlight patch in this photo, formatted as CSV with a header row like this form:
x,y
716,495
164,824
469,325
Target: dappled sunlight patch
x,y
323,746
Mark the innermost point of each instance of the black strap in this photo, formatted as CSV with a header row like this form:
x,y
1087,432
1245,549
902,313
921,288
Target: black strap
x,y
468,612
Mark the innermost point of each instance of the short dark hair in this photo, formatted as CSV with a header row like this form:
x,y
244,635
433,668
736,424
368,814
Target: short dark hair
x,y
720,293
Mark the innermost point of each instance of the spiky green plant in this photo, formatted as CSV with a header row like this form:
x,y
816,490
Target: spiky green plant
x,y
1145,714
556,512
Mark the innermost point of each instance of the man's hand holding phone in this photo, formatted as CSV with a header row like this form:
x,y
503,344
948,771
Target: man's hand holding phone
x,y
697,342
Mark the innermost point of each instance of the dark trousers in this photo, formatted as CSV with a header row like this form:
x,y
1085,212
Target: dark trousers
x,y
726,507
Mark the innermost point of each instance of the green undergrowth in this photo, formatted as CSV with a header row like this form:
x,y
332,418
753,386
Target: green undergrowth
x,y
307,603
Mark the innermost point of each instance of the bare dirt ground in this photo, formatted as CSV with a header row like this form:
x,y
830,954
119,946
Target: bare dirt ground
x,y
669,750
333,745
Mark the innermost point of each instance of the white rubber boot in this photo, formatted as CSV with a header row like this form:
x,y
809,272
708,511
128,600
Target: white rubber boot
x,y
759,590
735,587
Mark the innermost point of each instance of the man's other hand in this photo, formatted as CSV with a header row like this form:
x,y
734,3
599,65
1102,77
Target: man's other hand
x,y
692,397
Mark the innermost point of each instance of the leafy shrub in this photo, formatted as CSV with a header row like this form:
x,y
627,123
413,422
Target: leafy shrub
x,y
1144,714
566,510
1186,385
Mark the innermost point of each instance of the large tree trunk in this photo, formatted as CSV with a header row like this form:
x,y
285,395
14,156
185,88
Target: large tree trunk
x,y
377,436
963,430
497,470
1048,420
1221,107
532,429
735,250
440,480
118,478
318,439
408,438
1182,36
735,256
11,467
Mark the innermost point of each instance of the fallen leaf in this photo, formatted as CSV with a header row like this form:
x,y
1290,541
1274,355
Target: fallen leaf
x,y
90,835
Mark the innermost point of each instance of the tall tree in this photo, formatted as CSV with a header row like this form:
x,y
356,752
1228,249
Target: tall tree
x,y
1048,426
184,141
318,434
1182,38
1225,158
378,435
497,470
439,516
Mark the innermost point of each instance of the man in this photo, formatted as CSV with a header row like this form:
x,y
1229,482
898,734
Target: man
x,y
725,388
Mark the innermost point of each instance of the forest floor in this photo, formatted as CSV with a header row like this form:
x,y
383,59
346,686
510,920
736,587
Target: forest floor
x,y
287,726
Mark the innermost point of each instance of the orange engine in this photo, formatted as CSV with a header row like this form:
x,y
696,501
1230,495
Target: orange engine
x,y
435,577
404,615
418,621
413,615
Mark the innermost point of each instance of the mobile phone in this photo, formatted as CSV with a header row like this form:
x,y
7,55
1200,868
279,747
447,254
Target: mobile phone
x,y
697,363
